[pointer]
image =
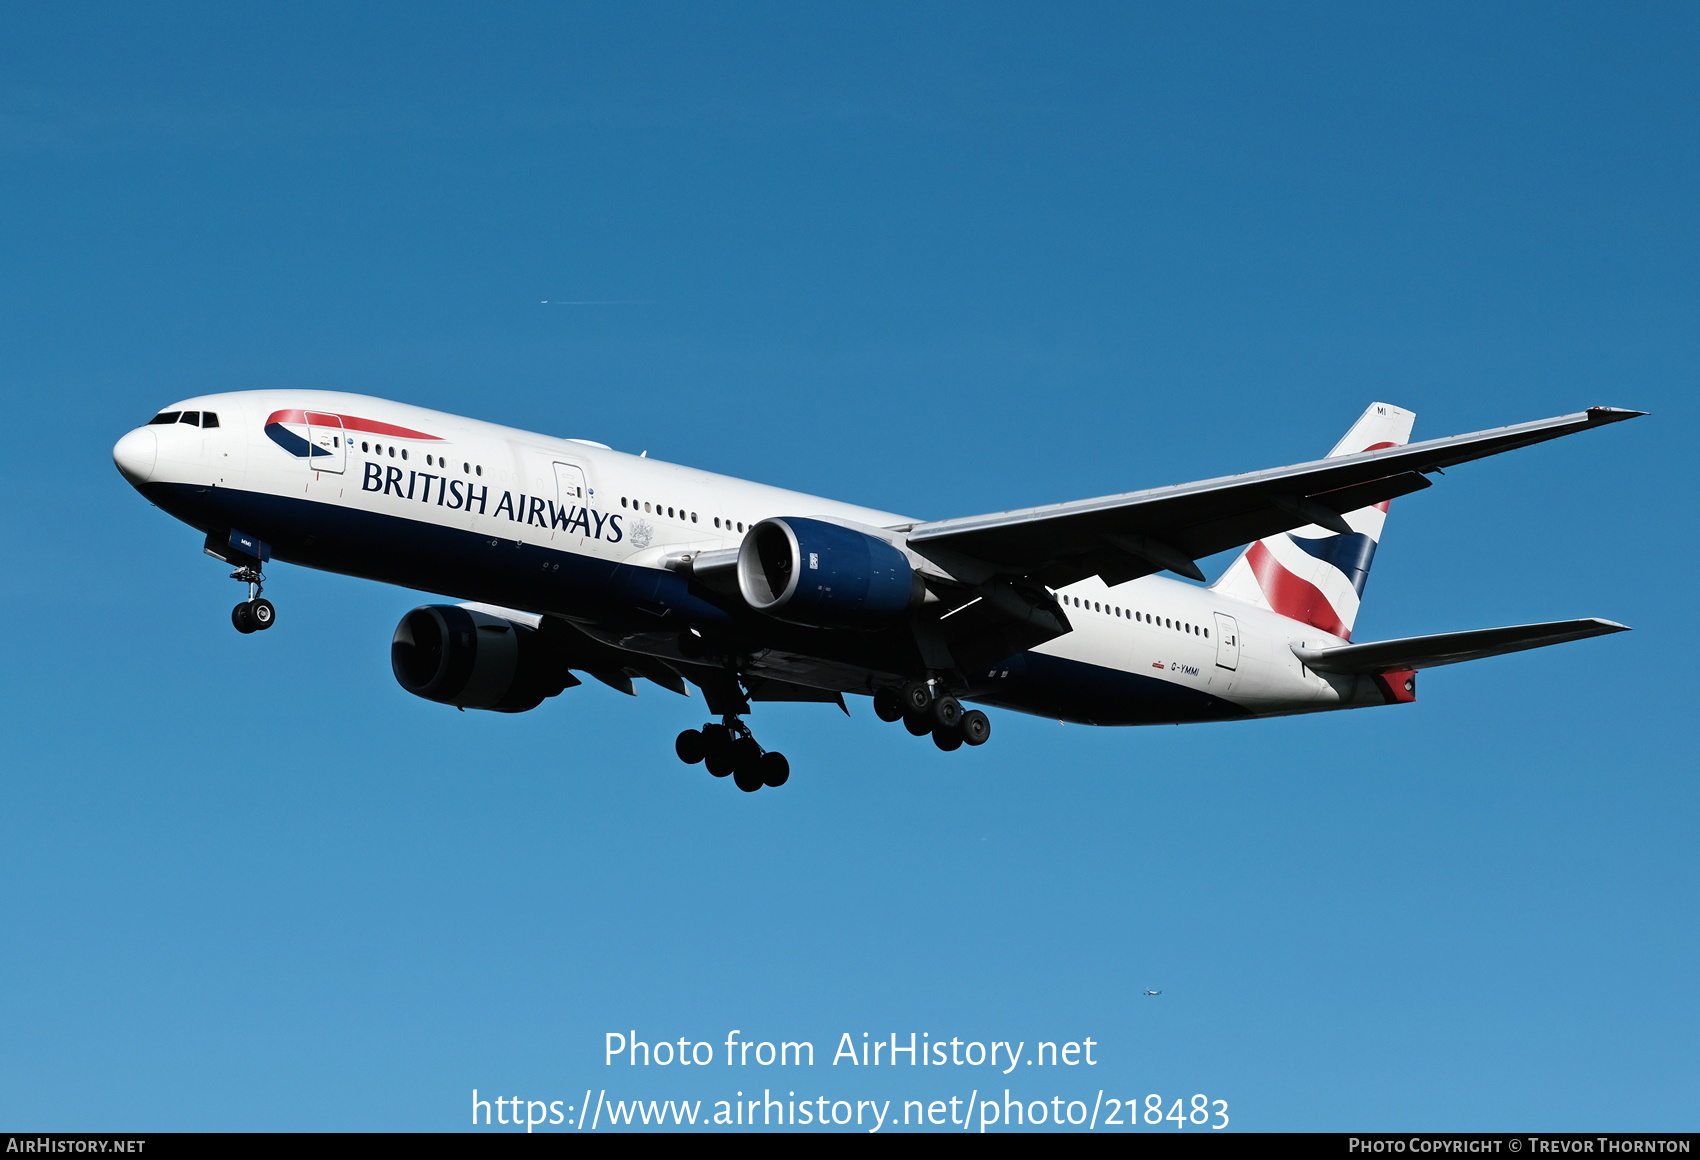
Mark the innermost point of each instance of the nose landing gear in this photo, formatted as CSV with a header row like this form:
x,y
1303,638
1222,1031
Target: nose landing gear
x,y
730,748
255,614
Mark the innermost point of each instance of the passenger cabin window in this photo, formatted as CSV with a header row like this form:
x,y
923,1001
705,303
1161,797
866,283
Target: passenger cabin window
x,y
163,418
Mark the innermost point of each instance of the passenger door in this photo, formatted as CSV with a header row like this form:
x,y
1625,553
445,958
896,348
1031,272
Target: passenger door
x,y
328,442
570,484
1227,642
572,492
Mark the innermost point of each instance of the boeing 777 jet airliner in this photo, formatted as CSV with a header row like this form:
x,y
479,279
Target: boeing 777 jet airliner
x,y
573,557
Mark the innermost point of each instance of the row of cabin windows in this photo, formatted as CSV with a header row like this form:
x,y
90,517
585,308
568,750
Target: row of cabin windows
x,y
430,460
658,509
1143,617
193,418
680,514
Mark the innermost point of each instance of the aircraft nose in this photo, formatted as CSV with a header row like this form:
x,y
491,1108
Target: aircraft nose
x,y
135,454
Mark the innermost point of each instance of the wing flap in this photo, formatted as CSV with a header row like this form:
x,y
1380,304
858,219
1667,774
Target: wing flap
x,y
774,689
1450,648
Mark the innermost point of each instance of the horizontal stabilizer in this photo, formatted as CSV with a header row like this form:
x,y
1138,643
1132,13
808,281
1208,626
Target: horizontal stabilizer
x,y
1448,648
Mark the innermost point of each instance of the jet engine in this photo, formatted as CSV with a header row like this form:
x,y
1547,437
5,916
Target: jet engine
x,y
825,575
474,660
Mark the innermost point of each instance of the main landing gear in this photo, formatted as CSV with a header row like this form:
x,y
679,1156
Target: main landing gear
x,y
730,748
924,709
256,613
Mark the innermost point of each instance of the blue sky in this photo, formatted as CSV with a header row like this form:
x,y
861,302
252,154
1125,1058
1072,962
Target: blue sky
x,y
938,259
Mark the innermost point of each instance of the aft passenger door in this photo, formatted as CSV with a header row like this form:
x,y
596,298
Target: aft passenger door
x,y
1227,642
328,442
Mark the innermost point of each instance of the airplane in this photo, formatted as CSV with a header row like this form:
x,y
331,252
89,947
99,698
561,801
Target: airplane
x,y
571,557
1151,992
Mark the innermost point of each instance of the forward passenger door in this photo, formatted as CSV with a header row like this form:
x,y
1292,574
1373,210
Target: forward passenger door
x,y
328,442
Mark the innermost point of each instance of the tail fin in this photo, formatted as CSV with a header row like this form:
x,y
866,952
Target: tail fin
x,y
1311,574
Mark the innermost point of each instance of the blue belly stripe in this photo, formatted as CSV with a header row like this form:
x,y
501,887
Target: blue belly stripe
x,y
641,605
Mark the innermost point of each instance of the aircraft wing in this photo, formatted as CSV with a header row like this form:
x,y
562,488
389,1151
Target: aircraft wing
x,y
1448,648
1122,537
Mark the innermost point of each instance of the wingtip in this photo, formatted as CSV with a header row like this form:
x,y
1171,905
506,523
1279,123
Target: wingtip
x,y
1612,414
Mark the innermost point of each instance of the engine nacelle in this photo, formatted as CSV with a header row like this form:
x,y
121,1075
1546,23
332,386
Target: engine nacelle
x,y
473,660
824,575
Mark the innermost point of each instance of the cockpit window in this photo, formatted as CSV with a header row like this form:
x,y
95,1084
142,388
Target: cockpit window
x,y
193,418
209,418
163,417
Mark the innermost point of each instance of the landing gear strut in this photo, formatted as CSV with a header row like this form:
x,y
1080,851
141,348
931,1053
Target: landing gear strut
x,y
256,613
730,748
925,708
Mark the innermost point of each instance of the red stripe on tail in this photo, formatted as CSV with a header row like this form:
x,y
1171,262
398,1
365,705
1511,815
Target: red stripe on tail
x,y
1293,596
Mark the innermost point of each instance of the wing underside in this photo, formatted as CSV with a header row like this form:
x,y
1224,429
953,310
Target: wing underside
x,y
1122,537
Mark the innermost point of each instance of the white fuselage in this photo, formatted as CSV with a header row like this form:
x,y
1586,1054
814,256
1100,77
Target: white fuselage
x,y
424,469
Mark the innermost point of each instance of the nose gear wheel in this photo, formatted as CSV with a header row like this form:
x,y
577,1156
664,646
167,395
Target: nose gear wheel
x,y
255,614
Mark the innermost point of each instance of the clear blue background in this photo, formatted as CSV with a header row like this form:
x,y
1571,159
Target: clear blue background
x,y
934,258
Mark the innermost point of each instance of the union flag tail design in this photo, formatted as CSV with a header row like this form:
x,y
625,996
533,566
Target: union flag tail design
x,y
1311,574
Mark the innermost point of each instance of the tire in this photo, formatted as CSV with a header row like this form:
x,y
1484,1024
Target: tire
x,y
689,746
746,755
917,697
947,712
774,769
888,704
717,749
918,724
947,739
262,613
746,779
243,618
975,728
